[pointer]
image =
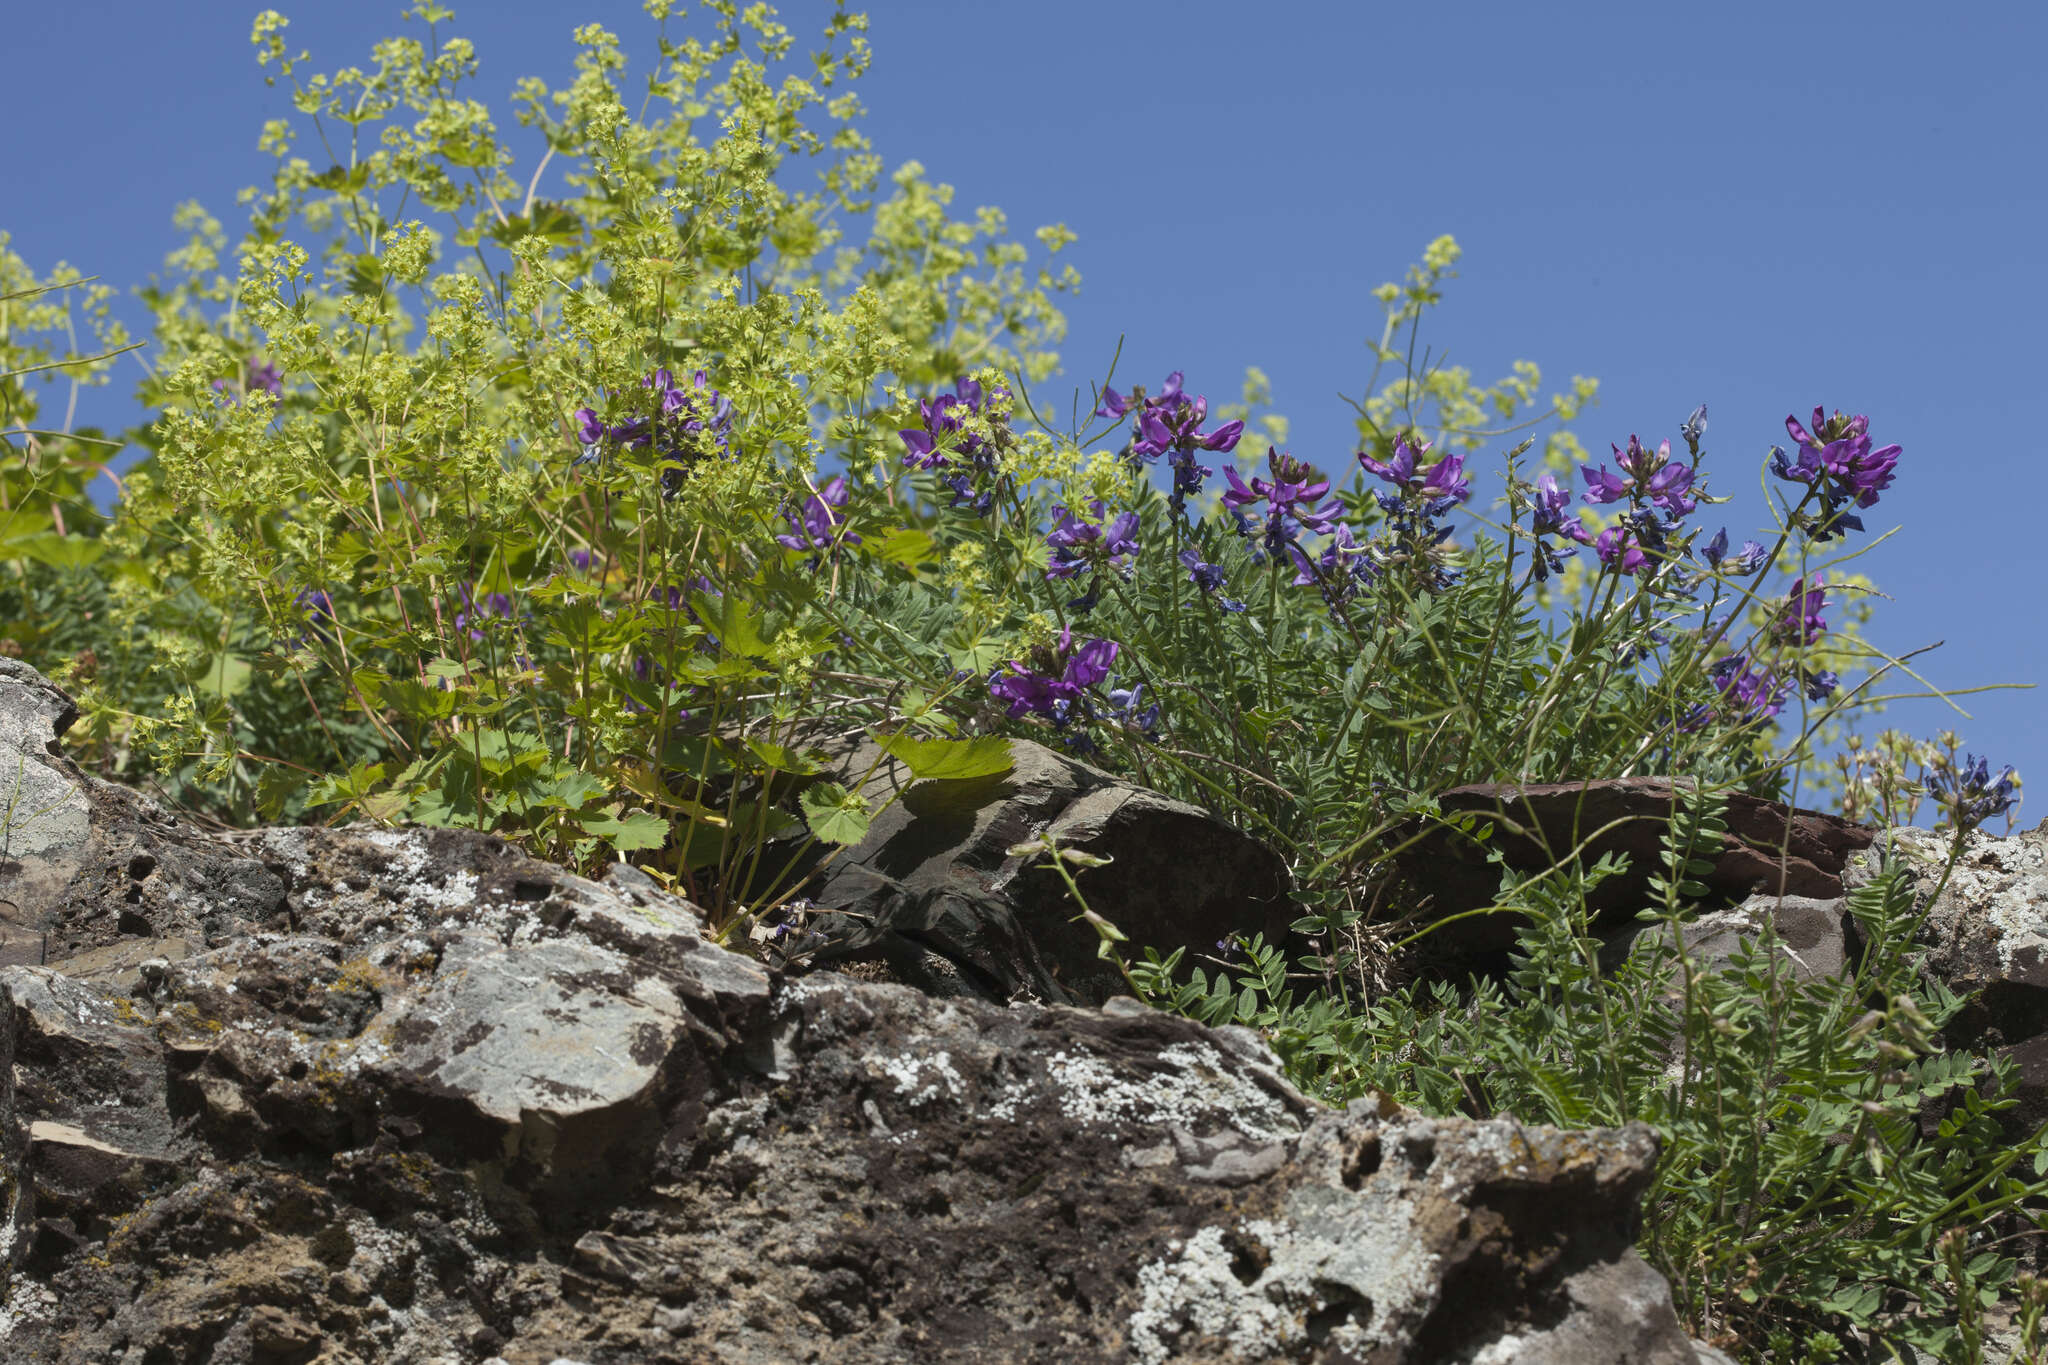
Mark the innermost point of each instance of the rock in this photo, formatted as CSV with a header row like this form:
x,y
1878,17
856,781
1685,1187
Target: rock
x,y
1986,938
436,1101
934,896
1812,934
1767,849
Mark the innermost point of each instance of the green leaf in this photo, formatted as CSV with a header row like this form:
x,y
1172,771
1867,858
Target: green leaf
x,y
948,759
908,548
834,814
223,675
782,759
636,831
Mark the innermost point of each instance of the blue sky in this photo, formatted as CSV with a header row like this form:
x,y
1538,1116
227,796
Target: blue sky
x,y
1763,208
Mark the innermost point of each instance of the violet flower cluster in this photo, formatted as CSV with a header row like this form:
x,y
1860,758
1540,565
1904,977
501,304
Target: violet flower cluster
x,y
1169,423
1089,547
944,440
685,421
1837,462
1969,793
1293,501
1416,542
818,526
1055,682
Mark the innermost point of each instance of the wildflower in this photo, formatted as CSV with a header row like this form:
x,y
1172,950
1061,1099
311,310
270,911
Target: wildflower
x,y
1081,545
945,416
1837,461
1620,548
1968,792
817,525
1169,423
1801,621
1056,679
1646,476
1759,692
1695,718
1443,482
1209,578
1820,684
1742,563
266,377
319,610
580,560
1340,571
1125,710
1290,500
1693,427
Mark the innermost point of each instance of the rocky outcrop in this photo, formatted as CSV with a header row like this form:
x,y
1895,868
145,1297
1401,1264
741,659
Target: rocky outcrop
x,y
1768,849
1986,938
365,1095
933,896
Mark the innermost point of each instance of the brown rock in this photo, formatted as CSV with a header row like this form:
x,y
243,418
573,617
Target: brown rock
x,y
1768,849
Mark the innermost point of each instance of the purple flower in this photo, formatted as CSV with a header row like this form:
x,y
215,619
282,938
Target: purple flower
x,y
1603,487
1969,793
1820,684
1646,476
1055,680
266,377
1125,710
942,417
1694,427
1759,692
1290,500
1081,545
1550,518
1343,568
319,610
1741,564
817,526
1836,458
1443,482
1801,622
1209,578
683,422
1620,548
580,560
1399,470
1170,423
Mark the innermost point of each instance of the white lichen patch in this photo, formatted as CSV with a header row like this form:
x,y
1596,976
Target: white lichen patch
x,y
1196,1294
1193,1085
26,1303
922,1078
1351,1260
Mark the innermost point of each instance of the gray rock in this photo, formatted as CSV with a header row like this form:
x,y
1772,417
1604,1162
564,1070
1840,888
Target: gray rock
x,y
410,1095
1986,937
1811,934
934,898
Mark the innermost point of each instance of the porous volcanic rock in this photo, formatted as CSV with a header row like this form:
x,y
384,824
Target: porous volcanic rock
x,y
934,898
411,1096
1768,849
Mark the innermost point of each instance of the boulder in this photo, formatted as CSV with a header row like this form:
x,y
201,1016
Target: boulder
x,y
1768,849
933,897
410,1095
